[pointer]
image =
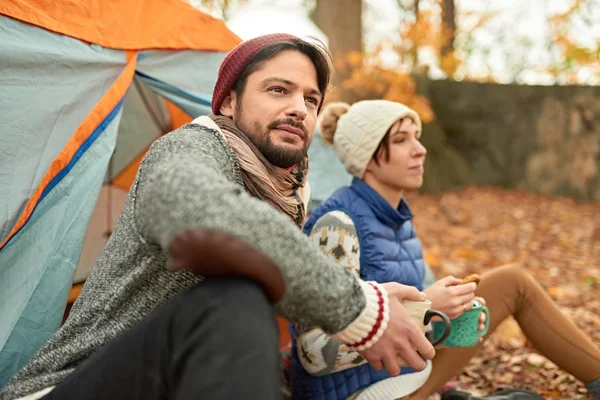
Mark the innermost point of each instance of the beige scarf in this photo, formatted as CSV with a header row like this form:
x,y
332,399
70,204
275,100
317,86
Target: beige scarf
x,y
281,188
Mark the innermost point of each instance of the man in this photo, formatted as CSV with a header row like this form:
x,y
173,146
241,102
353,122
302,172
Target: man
x,y
221,197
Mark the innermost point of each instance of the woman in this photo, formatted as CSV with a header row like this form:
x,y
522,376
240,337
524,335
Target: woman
x,y
367,228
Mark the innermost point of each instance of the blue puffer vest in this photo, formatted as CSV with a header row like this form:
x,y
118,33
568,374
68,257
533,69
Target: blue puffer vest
x,y
389,252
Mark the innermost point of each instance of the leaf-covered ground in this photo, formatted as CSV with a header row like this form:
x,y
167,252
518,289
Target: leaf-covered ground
x,y
556,239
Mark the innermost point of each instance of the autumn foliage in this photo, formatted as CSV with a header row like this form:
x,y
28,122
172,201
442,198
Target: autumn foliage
x,y
571,56
370,78
557,240
448,50
372,81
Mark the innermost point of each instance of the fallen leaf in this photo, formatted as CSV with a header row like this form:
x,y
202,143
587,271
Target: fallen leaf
x,y
556,240
509,333
556,292
551,393
432,259
535,359
506,377
516,369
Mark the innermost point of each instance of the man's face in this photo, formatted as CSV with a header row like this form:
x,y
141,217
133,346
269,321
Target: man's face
x,y
278,107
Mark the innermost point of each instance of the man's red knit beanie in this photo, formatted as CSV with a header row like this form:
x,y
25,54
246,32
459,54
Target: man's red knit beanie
x,y
235,62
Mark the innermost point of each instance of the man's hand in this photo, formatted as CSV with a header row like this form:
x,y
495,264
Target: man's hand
x,y
402,339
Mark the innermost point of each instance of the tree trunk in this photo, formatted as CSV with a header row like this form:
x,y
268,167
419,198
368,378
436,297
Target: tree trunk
x,y
415,48
341,21
448,26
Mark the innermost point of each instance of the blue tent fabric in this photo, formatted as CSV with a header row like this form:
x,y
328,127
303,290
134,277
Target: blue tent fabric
x,y
326,173
36,267
50,84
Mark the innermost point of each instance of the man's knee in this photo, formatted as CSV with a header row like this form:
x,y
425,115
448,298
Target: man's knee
x,y
247,303
235,309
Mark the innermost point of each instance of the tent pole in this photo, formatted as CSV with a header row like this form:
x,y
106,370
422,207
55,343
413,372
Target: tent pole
x,y
109,201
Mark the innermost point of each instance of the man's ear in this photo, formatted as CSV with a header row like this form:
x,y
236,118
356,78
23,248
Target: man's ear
x,y
228,105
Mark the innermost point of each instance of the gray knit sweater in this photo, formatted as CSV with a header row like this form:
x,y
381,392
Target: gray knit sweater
x,y
189,178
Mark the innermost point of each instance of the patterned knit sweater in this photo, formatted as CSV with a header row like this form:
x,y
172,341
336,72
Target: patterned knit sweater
x,y
191,178
319,353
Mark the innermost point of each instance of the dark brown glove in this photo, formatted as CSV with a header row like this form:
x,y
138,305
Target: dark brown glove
x,y
213,254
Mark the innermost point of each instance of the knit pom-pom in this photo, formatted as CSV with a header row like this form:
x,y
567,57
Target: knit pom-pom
x,y
328,119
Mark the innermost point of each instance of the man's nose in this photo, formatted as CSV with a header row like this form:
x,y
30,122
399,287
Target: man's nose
x,y
297,108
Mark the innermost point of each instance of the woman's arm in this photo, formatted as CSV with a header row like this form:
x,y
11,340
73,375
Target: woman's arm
x,y
319,353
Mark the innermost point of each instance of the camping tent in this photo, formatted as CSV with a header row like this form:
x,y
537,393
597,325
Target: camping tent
x,y
85,85
327,173
247,22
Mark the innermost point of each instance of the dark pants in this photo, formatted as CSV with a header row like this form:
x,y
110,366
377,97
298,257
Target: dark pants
x,y
218,340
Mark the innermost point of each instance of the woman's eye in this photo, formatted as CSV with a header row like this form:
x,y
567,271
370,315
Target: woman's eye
x,y
312,100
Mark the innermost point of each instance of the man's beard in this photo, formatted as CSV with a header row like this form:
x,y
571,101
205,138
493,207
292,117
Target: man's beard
x,y
276,155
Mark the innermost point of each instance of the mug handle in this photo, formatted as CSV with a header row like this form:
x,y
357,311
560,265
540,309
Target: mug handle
x,y
447,325
487,320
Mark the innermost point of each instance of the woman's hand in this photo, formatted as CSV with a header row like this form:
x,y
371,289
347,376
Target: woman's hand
x,y
481,317
449,297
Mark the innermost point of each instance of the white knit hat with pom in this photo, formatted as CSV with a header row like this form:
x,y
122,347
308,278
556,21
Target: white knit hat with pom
x,y
356,130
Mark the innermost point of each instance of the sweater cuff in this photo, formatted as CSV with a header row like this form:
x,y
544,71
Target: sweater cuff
x,y
367,328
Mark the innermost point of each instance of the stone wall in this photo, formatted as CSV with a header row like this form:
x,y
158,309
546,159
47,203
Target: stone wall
x,y
544,139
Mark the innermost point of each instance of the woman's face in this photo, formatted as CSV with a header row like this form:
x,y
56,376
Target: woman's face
x,y
404,168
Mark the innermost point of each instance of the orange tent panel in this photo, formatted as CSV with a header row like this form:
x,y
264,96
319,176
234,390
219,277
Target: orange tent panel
x,y
178,116
126,24
125,178
87,127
